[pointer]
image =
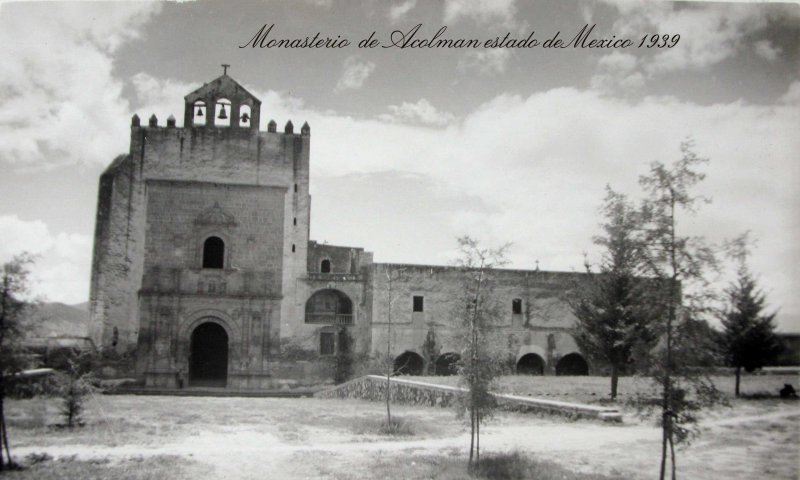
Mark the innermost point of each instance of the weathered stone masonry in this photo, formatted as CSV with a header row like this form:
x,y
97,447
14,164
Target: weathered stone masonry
x,y
203,265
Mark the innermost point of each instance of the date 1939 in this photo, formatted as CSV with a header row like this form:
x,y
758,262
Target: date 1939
x,y
659,41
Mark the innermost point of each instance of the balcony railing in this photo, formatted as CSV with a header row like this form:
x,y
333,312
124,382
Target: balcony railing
x,y
329,318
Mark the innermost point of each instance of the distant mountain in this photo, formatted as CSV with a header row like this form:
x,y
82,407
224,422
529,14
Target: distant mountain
x,y
83,306
57,319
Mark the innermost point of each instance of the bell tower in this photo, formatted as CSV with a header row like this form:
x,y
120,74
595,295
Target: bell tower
x,y
222,103
209,219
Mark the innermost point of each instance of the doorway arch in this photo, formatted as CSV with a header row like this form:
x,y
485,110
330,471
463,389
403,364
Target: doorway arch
x,y
208,358
572,364
408,363
447,364
530,364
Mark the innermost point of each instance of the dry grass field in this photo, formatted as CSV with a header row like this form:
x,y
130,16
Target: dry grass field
x,y
141,437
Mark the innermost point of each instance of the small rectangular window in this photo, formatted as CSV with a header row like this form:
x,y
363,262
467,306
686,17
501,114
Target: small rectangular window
x,y
326,343
516,306
418,303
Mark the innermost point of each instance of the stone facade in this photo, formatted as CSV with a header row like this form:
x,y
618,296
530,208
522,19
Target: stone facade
x,y
203,265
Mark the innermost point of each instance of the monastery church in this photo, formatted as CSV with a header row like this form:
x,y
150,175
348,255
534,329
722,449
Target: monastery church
x,y
203,266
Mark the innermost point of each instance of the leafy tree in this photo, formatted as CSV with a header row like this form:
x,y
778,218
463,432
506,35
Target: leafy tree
x,y
611,305
749,340
476,310
13,307
680,265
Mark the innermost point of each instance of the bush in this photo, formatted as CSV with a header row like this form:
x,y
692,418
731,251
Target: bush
x,y
378,426
397,427
517,466
75,384
503,466
44,385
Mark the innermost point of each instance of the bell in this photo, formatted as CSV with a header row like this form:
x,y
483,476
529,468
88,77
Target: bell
x,y
245,117
199,112
222,115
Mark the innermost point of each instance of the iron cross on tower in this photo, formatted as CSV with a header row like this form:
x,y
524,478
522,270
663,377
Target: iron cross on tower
x,y
225,68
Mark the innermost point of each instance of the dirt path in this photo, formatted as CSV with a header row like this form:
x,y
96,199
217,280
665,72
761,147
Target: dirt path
x,y
745,446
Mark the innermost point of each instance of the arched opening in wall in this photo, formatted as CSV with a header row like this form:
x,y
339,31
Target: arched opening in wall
x,y
213,253
208,360
222,113
572,364
530,364
199,113
245,116
325,266
447,364
330,307
408,363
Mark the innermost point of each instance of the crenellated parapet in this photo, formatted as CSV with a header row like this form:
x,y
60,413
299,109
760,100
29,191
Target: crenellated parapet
x,y
225,105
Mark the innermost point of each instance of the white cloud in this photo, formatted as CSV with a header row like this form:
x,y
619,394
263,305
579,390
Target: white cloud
x,y
56,83
766,50
162,97
792,96
320,3
709,33
400,10
356,72
420,112
63,260
486,62
617,72
481,11
18,236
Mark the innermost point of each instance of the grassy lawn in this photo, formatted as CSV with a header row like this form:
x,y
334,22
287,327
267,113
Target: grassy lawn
x,y
137,437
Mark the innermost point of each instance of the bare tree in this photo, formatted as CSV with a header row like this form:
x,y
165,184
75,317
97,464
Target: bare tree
x,y
391,276
476,310
680,266
13,306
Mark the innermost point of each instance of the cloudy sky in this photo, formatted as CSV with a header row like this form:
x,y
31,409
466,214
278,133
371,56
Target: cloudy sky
x,y
413,147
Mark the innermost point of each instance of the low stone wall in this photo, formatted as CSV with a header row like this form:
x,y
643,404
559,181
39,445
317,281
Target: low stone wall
x,y
410,392
405,392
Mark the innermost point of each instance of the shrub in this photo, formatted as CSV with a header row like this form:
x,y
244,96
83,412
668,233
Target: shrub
x,y
378,426
74,386
396,427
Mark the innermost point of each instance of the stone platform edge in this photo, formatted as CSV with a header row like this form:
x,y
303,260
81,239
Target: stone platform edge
x,y
372,387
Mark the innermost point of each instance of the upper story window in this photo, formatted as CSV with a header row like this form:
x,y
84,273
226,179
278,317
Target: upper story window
x,y
213,253
419,303
516,306
325,266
